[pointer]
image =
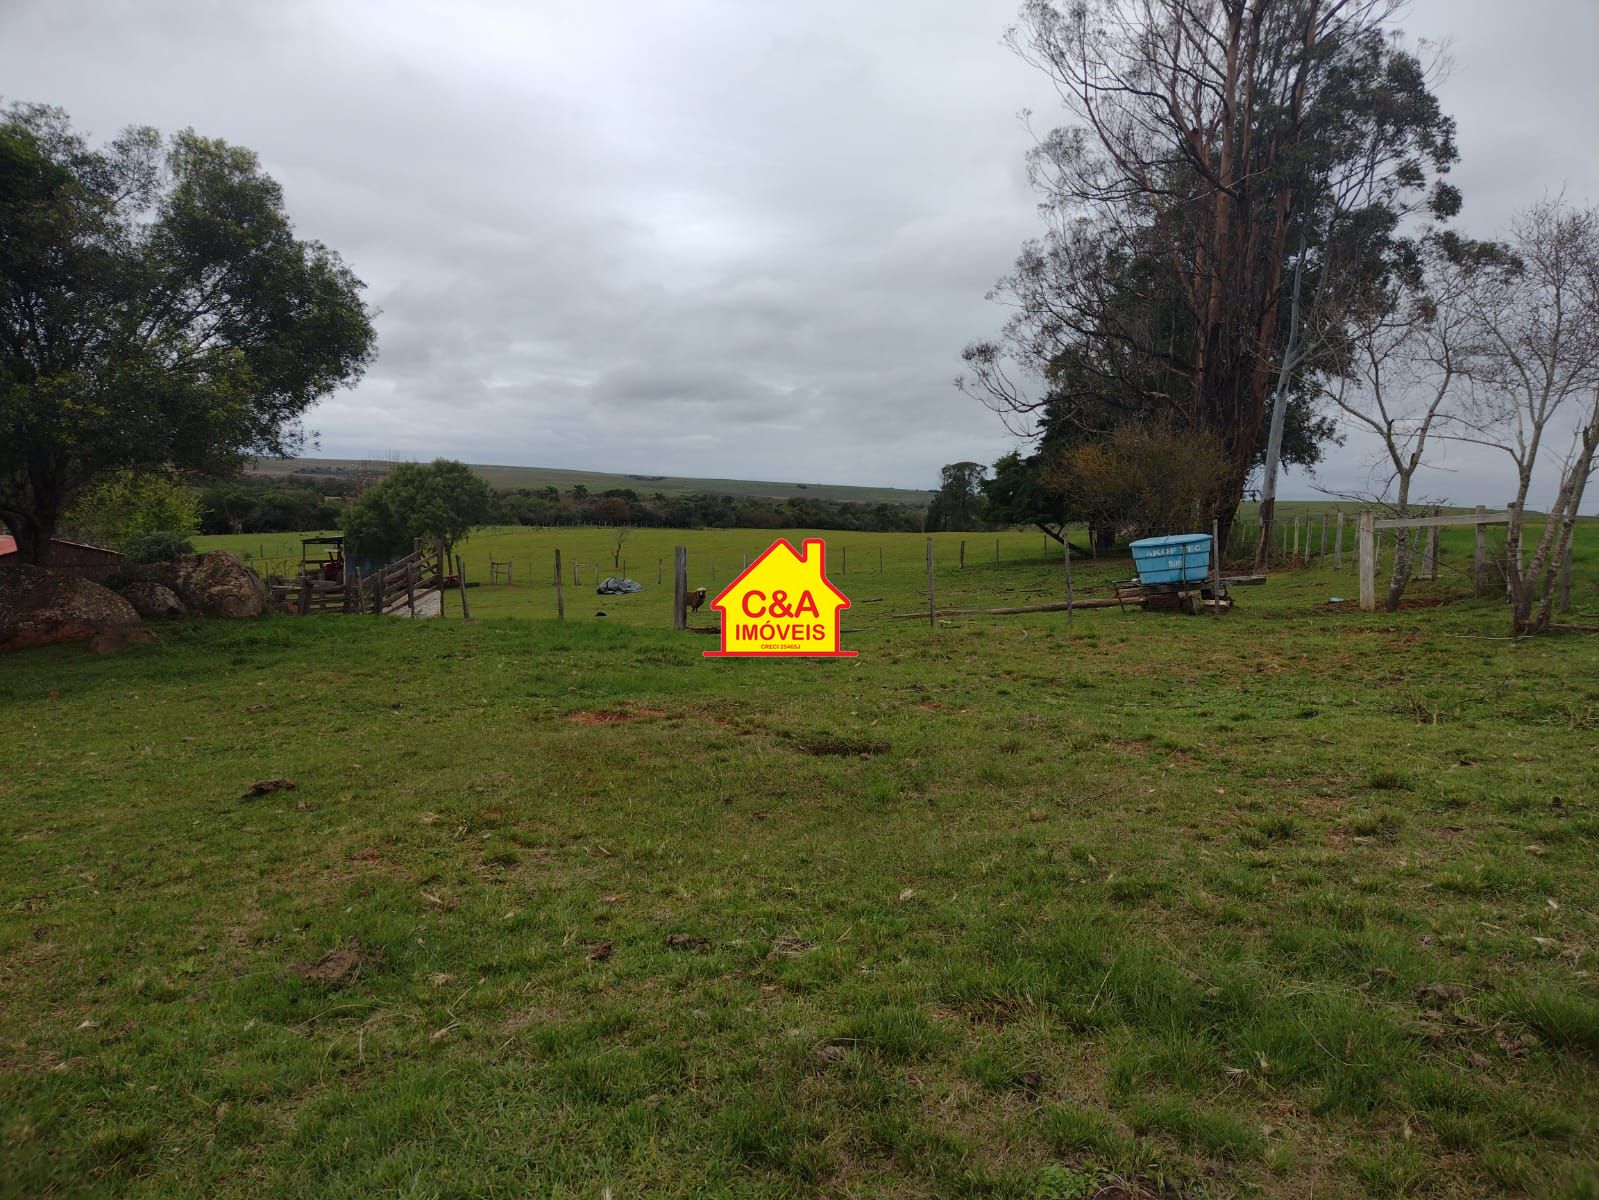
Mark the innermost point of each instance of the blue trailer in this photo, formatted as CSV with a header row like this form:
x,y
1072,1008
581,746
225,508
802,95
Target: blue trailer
x,y
1174,571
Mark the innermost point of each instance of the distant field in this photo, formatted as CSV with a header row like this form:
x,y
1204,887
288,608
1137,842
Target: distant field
x,y
601,481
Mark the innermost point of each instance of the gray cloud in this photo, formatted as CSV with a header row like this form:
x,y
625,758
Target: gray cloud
x,y
705,238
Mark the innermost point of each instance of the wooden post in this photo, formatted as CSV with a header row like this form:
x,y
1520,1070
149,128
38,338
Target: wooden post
x,y
996,550
963,554
1430,563
1321,558
1480,559
879,560
1338,543
460,573
576,582
679,587
657,572
1368,562
932,604
1215,568
410,588
305,594
1066,566
560,594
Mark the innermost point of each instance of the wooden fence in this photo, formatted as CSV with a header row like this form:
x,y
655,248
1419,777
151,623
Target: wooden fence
x,y
1366,540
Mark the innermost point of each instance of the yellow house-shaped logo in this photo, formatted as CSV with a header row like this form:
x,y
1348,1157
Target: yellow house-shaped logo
x,y
783,604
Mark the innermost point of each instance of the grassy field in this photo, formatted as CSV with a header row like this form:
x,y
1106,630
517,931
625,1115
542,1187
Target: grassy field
x,y
1288,902
601,481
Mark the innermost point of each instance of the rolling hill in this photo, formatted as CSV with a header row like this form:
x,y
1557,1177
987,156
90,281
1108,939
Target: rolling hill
x,y
601,481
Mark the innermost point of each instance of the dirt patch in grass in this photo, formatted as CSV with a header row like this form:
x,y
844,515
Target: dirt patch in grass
x,y
339,967
615,716
822,744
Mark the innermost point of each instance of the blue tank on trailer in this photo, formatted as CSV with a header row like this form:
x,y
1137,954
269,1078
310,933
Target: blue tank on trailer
x,y
1177,558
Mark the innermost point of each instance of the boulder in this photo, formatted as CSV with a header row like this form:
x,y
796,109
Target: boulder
x,y
213,584
152,599
38,607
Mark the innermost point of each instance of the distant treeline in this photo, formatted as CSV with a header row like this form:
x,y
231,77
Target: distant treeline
x,y
302,501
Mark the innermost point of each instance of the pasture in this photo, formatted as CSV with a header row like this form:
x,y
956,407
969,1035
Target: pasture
x,y
1285,902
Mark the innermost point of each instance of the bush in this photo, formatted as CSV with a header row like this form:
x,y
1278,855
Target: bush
x,y
155,547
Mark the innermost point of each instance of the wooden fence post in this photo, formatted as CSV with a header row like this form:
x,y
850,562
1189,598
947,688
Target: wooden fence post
x,y
1430,562
879,560
932,605
1215,568
410,588
1368,562
1321,557
1338,543
679,587
460,572
305,594
963,554
560,594
1066,563
996,551
1480,560
657,572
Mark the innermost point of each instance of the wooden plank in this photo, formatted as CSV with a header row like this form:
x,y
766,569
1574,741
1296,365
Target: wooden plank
x,y
460,575
560,594
1475,518
1338,543
932,606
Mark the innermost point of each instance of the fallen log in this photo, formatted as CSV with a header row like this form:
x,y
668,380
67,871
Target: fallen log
x,y
1058,606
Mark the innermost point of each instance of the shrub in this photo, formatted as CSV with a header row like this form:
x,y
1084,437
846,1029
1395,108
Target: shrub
x,y
155,547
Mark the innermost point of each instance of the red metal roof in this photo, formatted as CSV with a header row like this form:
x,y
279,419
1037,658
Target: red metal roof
x,y
8,544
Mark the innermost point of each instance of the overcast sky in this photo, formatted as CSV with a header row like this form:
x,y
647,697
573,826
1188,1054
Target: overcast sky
x,y
697,237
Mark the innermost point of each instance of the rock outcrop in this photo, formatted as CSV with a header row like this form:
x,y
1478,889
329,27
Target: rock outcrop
x,y
39,607
152,599
213,584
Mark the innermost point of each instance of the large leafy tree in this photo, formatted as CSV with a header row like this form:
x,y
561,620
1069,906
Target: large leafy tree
x,y
156,312
1215,145
443,500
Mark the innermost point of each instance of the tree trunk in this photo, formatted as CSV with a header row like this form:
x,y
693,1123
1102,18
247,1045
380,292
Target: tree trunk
x,y
33,532
1556,539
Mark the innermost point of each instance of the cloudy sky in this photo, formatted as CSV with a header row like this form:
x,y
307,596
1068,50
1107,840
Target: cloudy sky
x,y
696,237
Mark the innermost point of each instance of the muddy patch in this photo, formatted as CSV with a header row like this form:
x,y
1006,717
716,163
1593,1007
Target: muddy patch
x,y
339,967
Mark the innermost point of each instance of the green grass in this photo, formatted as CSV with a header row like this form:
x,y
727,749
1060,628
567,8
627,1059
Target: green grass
x,y
1289,902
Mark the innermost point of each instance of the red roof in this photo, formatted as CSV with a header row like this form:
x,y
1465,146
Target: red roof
x,y
8,544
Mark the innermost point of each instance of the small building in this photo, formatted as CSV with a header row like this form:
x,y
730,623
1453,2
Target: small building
x,y
94,563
